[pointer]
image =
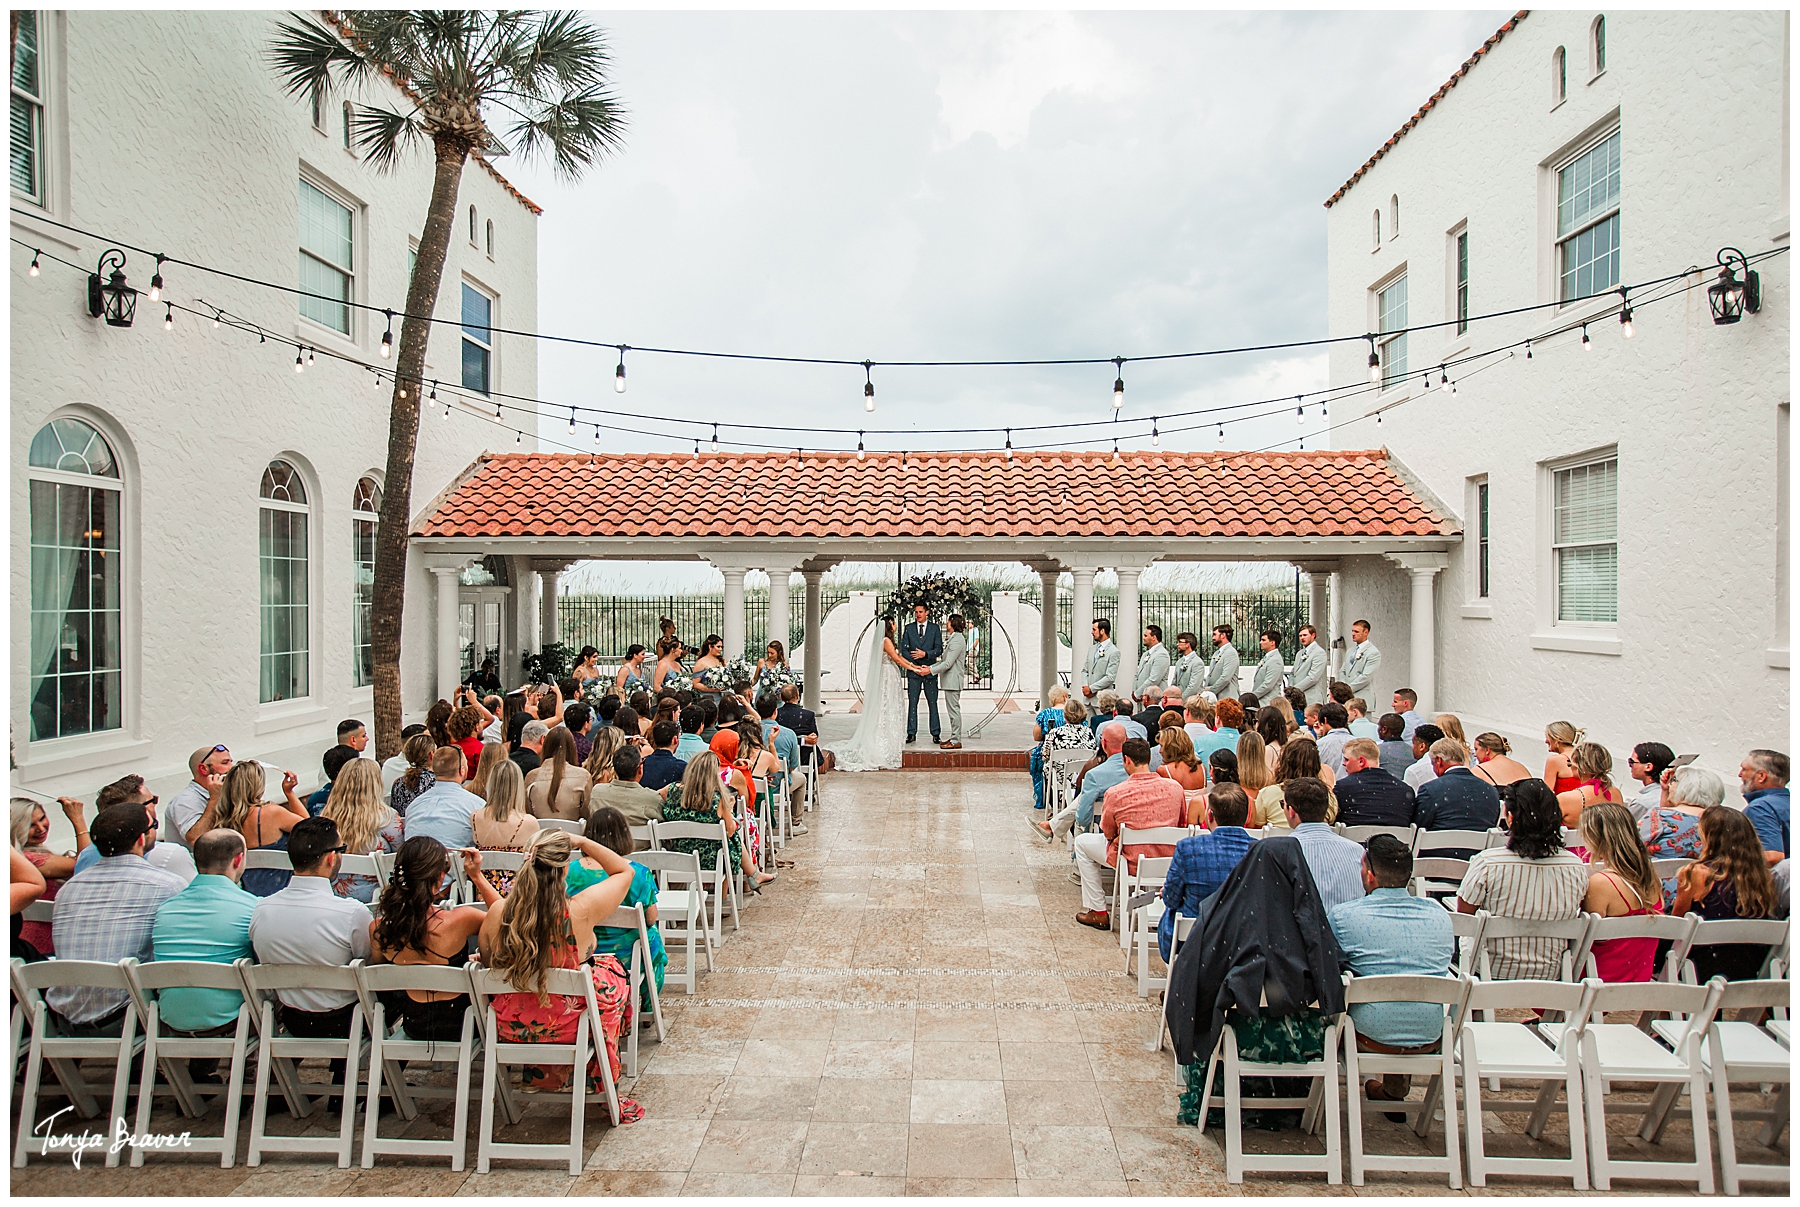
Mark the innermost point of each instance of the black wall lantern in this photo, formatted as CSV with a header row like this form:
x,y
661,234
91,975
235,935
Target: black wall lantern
x,y
114,299
1730,297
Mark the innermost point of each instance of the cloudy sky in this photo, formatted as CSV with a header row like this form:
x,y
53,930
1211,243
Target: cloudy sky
x,y
968,186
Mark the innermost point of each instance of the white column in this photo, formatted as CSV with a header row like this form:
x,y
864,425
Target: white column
x,y
549,623
1424,568
778,606
1047,643
1081,629
734,612
1334,625
449,657
1128,628
814,655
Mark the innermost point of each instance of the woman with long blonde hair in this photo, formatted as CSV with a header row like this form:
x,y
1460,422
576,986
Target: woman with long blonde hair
x,y
607,741
1622,885
1560,737
538,927
1253,763
504,823
264,826
1592,764
492,755
365,825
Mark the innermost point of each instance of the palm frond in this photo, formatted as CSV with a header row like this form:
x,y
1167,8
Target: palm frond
x,y
304,55
573,131
383,135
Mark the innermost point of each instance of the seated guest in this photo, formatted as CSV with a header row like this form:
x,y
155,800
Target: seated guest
x,y
1142,801
609,828
578,719
539,927
1071,732
1150,716
1671,830
1254,772
1592,764
1228,716
530,752
1106,706
194,810
492,755
1646,765
265,827
786,746
662,767
464,727
1493,765
1335,861
1406,705
1203,861
1199,713
446,811
307,923
607,742
1764,775
335,758
504,823
169,856
1299,760
1730,880
1110,771
1368,795
30,830
209,920
437,721
413,929
1274,727
1297,707
709,710
106,913
417,777
1531,877
1421,771
1360,725
625,793
1396,753
1388,932
693,720
608,709
1221,768
365,824
700,797
392,769
1179,763
1336,721
1622,885
805,726
27,887
559,787
1456,798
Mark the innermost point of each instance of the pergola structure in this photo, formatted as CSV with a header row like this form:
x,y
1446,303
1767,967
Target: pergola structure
x,y
1064,511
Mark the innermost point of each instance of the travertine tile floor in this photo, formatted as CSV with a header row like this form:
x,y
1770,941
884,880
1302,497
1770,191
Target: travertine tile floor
x,y
909,1010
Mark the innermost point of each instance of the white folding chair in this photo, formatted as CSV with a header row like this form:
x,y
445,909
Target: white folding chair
x,y
1060,767
641,974
1324,1073
1184,926
1438,876
1679,931
1143,912
170,1054
496,861
1448,993
1498,930
589,1040
1467,928
1426,841
361,865
1124,878
390,1047
680,912
809,771
1572,838
29,981
718,882
1666,868
1501,1049
40,911
267,861
642,839
560,823
1621,1052
1760,931
1752,1054
262,983
1362,834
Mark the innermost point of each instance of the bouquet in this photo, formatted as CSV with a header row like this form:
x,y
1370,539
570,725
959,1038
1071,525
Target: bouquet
x,y
739,670
941,594
717,678
772,681
678,680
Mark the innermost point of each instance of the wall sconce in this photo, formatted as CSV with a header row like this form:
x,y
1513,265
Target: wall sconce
x,y
1730,297
113,299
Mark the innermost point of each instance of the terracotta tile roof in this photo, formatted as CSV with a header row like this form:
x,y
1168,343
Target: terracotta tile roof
x,y
1437,96
1063,494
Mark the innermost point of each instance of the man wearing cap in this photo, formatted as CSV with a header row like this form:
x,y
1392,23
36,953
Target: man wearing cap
x,y
192,810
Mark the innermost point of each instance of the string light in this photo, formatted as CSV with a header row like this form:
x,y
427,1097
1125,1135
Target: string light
x,y
299,365
1299,412
571,421
619,373
1377,418
868,387
1115,455
1119,382
1009,442
518,437
859,445
387,337
497,414
1527,349
156,282
1155,436
1625,327
1443,380
596,435
446,410
402,386
696,446
1374,362
33,270
432,401
715,438
1587,345
1221,434
374,377
311,357
168,318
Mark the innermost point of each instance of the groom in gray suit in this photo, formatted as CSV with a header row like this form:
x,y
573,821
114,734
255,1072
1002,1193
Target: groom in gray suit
x,y
949,670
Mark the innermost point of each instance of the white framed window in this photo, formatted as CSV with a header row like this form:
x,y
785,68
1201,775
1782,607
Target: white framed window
x,y
1375,230
1461,260
1587,221
319,101
477,339
1597,43
76,669
365,514
349,114
284,563
327,257
1584,540
1390,340
28,93
1559,76
490,238
1394,216
1481,539
472,220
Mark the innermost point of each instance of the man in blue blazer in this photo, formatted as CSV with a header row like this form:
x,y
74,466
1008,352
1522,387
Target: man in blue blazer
x,y
921,642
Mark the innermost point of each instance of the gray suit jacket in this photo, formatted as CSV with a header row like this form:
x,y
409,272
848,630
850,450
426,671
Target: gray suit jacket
x,y
1222,675
1359,668
949,668
1269,674
1190,674
1310,667
1102,668
1152,670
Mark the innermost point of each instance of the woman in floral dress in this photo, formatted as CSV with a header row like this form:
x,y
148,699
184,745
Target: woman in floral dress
x,y
537,927
701,797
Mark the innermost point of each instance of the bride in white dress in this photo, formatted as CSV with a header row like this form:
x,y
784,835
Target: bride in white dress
x,y
880,733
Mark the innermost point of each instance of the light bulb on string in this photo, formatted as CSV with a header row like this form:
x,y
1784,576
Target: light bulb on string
x,y
1625,327
215,320
1374,362
571,421
1527,349
1221,434
619,373
1155,436
715,438
1587,345
1299,411
596,435
1443,380
1119,382
497,414
1377,418
868,385
859,444
446,410
402,386
1009,445
1115,455
432,401
33,270
156,282
168,317
696,447
374,379
518,437
299,365
387,337
311,357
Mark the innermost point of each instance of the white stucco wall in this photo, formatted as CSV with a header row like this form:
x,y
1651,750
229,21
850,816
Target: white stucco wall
x,y
1698,658
168,131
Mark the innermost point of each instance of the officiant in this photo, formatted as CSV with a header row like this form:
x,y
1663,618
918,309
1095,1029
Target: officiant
x,y
922,644
950,669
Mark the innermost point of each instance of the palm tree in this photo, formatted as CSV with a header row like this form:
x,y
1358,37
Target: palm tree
x,y
542,76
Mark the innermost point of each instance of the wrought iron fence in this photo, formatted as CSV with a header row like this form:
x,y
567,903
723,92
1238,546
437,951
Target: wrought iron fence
x,y
613,623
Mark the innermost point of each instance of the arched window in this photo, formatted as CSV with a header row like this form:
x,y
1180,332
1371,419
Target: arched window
x,y
75,502
1559,76
347,113
1599,44
490,238
365,508
472,242
282,535
1394,216
1375,230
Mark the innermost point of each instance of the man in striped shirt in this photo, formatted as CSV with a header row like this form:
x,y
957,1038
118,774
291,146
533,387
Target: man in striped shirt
x,y
1335,861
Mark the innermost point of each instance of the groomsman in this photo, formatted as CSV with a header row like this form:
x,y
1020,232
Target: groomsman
x,y
1311,667
1190,668
949,670
1222,675
1269,672
1153,667
1360,666
1101,670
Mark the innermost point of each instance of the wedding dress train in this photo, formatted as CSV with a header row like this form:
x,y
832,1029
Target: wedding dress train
x,y
876,744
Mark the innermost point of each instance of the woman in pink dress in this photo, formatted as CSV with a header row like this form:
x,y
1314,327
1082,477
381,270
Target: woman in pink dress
x,y
1622,885
537,927
30,830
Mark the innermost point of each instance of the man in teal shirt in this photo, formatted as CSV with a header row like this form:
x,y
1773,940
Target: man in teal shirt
x,y
208,920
